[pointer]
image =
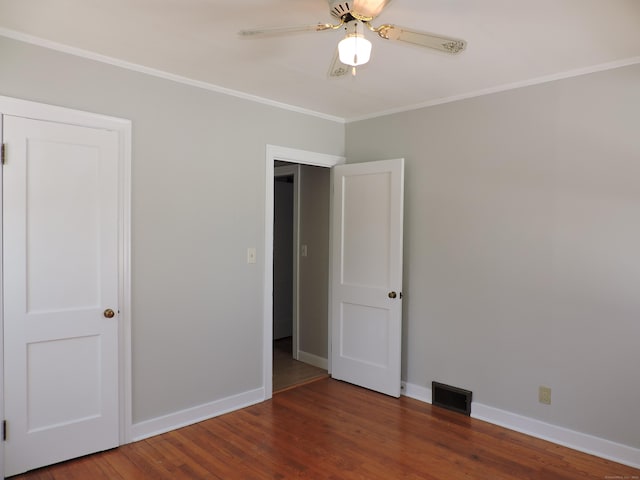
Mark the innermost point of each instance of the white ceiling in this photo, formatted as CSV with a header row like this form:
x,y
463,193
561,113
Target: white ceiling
x,y
510,42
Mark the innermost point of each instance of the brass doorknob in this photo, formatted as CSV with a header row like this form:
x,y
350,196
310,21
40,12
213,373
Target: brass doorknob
x,y
108,313
392,295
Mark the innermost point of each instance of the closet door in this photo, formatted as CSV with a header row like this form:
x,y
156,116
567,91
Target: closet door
x,y
60,247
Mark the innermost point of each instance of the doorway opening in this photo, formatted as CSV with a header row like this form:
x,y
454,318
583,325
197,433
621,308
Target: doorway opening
x,y
274,155
300,227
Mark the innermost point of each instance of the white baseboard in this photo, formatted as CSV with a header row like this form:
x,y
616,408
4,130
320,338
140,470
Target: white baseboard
x,y
417,392
312,359
562,436
166,423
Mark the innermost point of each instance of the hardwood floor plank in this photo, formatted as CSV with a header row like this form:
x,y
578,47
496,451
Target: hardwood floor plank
x,y
143,456
119,463
211,451
332,430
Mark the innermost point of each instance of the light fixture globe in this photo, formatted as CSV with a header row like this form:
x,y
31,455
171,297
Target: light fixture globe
x,y
354,49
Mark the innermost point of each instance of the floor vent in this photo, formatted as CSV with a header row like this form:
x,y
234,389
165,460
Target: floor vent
x,y
451,398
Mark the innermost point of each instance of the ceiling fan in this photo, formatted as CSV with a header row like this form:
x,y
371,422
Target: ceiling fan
x,y
354,50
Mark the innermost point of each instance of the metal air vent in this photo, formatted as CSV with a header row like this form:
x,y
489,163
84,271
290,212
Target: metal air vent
x,y
451,398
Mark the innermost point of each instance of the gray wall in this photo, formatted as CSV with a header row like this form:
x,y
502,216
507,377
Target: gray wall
x,y
198,203
522,238
314,268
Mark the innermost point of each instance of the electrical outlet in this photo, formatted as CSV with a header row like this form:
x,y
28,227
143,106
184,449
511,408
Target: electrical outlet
x,y
544,395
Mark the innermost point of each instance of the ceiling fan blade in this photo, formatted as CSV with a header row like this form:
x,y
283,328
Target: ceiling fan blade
x,y
338,69
369,8
422,39
273,31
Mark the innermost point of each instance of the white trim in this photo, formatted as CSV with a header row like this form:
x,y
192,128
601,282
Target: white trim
x,y
582,442
502,88
312,359
78,52
273,153
189,416
53,113
303,157
125,346
562,436
1,296
39,111
416,392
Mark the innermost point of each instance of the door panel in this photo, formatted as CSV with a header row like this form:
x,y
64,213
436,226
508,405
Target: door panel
x,y
77,358
60,275
366,230
375,321
367,266
52,200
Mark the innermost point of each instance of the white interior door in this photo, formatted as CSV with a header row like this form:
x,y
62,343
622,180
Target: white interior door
x,y
366,285
60,246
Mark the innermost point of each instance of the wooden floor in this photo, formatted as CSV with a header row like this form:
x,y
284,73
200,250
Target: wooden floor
x,y
332,430
288,372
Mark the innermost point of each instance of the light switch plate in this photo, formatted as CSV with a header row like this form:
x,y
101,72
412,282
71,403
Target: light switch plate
x,y
544,395
251,255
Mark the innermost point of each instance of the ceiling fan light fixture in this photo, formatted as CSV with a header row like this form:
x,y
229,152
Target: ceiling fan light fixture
x,y
354,50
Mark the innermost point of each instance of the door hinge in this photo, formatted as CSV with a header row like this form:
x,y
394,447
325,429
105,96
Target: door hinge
x,y
4,430
2,152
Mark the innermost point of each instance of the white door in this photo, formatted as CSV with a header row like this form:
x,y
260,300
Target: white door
x,y
366,284
60,223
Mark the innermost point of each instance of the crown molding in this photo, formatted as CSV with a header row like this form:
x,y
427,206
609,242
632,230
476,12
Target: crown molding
x,y
78,52
503,88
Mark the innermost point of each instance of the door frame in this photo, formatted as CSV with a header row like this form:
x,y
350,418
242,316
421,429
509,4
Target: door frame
x,y
291,155
40,111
